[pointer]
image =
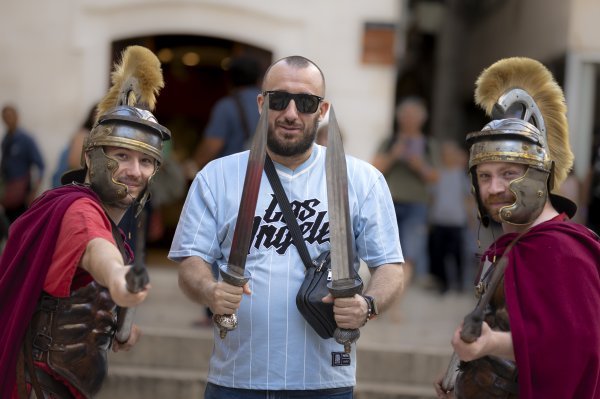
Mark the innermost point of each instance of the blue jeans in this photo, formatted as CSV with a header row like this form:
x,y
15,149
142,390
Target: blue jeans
x,y
413,229
218,392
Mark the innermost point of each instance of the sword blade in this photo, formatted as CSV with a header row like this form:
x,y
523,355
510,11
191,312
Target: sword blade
x,y
242,233
340,231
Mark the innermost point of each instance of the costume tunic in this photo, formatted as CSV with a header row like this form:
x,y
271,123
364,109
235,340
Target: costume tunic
x,y
552,287
273,347
60,223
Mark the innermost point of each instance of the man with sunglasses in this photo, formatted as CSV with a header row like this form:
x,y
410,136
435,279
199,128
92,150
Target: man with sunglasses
x,y
273,350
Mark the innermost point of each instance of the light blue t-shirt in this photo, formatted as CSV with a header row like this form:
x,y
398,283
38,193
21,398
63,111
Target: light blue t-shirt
x,y
273,347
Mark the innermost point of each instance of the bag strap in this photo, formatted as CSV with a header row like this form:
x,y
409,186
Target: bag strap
x,y
288,213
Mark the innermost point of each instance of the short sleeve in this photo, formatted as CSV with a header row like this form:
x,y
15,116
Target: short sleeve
x,y
84,220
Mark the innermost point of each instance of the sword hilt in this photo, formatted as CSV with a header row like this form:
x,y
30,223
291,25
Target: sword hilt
x,y
449,379
346,288
136,278
238,277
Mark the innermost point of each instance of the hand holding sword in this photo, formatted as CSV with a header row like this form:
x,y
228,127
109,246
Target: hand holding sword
x,y
473,322
345,281
136,278
234,272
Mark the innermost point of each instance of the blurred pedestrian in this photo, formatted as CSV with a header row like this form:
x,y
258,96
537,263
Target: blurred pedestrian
x,y
405,162
70,156
21,168
234,117
450,202
592,190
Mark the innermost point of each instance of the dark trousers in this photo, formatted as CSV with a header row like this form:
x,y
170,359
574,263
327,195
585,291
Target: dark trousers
x,y
446,243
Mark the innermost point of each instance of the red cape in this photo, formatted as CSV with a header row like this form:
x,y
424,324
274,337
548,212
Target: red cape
x,y
552,286
23,268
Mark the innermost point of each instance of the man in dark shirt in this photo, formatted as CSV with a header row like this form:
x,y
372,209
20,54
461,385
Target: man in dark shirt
x,y
19,155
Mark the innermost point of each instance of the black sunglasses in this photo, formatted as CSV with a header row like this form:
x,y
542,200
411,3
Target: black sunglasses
x,y
305,103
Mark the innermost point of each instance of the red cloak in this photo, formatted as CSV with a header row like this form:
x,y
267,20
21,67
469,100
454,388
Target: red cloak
x,y
23,268
552,286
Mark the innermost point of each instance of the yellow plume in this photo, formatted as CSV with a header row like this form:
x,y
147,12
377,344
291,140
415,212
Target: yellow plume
x,y
533,77
136,81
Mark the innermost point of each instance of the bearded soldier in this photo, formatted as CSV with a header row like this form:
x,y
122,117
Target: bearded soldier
x,y
62,273
540,337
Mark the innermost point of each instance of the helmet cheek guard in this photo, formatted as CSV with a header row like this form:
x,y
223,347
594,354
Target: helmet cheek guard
x,y
101,175
531,193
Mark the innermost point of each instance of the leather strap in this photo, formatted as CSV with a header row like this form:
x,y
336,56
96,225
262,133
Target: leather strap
x,y
21,383
30,367
288,213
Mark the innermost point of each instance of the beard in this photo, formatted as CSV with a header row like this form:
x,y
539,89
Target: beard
x,y
282,147
130,197
494,203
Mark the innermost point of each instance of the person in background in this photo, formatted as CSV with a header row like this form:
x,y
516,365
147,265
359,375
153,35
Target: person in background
x,y
449,216
274,351
591,189
540,337
404,161
21,168
70,156
234,117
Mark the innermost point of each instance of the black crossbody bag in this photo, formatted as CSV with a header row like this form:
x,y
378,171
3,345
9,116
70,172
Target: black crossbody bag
x,y
318,272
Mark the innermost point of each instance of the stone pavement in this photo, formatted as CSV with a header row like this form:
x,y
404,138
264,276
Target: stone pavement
x,y
400,353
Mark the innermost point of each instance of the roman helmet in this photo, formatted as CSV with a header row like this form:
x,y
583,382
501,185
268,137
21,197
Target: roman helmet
x,y
529,126
124,119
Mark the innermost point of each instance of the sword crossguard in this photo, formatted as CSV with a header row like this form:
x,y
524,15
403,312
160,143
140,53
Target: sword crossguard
x,y
234,276
346,288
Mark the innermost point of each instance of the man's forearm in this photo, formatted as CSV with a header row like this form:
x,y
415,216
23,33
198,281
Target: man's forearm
x,y
195,276
386,284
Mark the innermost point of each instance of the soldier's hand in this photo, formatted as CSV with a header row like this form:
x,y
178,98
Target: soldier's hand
x,y
491,342
119,292
134,336
350,312
226,298
439,391
476,349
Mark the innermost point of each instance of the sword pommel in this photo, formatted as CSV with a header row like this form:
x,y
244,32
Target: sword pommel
x,y
345,288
